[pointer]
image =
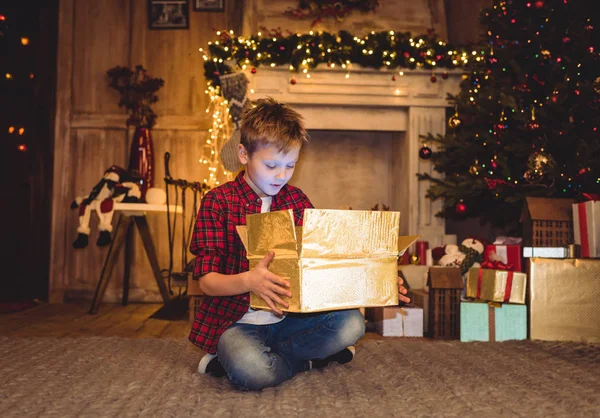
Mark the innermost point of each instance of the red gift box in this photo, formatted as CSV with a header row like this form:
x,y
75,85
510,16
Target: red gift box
x,y
507,254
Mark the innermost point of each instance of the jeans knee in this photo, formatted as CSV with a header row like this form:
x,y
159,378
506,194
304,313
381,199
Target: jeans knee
x,y
253,375
352,326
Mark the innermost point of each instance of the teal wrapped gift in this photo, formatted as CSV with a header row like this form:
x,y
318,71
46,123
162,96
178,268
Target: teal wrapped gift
x,y
492,322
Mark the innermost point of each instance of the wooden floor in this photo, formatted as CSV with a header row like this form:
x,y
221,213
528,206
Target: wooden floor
x,y
73,320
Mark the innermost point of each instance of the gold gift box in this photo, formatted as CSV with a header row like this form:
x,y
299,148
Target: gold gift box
x,y
564,297
493,285
339,259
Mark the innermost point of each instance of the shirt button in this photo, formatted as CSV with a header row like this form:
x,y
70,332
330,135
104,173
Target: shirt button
x,y
247,204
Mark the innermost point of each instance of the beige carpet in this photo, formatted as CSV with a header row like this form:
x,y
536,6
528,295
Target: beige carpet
x,y
97,377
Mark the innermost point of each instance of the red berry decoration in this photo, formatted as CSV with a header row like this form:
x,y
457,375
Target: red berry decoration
x,y
293,80
253,70
425,152
433,78
460,208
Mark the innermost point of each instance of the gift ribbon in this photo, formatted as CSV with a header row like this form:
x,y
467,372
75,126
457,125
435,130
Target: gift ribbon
x,y
583,231
496,265
492,323
402,314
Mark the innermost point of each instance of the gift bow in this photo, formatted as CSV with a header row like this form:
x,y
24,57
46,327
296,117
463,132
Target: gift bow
x,y
496,265
591,196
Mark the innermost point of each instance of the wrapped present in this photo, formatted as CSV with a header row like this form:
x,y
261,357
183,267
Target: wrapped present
x,y
398,321
586,228
496,285
546,252
480,321
509,254
339,259
563,303
420,298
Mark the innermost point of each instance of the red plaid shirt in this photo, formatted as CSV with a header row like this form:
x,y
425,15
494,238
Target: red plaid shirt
x,y
218,248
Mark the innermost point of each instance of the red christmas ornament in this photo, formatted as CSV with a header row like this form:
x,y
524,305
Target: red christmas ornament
x,y
445,75
406,55
253,70
433,78
425,152
394,77
460,208
539,4
494,164
293,80
22,147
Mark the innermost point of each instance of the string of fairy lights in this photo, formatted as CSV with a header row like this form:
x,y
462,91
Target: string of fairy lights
x,y
10,76
219,132
300,53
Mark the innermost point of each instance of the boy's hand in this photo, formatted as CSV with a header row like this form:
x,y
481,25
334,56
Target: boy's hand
x,y
402,291
269,286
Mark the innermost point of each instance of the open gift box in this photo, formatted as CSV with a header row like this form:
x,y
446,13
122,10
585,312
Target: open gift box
x,y
339,259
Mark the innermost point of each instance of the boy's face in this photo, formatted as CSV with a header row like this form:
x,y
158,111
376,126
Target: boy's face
x,y
269,169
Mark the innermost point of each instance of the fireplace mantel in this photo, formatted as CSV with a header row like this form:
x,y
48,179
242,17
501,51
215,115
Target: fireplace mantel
x,y
370,100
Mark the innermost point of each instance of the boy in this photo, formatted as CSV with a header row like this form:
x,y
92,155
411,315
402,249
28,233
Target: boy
x,y
258,348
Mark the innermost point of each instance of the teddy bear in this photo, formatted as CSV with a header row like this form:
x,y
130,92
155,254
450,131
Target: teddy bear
x,y
111,189
466,255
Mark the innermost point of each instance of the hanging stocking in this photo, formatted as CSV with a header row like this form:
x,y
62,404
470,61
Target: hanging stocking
x,y
235,89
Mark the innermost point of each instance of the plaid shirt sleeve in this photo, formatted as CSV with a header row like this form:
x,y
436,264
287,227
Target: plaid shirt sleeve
x,y
209,241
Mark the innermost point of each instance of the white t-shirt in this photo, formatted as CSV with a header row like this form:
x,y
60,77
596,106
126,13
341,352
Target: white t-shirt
x,y
261,317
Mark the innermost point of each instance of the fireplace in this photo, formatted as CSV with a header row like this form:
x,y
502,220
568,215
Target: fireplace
x,y
365,138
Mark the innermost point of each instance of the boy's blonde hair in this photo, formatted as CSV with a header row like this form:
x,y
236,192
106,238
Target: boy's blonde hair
x,y
266,122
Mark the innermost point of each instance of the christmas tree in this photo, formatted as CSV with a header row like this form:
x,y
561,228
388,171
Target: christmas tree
x,y
526,120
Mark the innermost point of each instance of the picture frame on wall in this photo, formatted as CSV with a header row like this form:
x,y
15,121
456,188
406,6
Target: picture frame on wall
x,y
209,5
168,14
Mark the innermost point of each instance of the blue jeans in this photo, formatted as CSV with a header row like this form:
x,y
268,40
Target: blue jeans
x,y
259,356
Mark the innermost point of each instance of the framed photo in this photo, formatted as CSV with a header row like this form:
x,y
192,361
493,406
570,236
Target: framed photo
x,y
209,5
168,14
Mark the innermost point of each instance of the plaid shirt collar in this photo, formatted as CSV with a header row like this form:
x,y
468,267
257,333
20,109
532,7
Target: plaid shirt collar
x,y
248,195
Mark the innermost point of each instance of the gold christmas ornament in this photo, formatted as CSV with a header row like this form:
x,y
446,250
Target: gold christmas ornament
x,y
454,121
415,259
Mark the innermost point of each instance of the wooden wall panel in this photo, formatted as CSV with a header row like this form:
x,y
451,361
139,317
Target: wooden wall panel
x,y
101,41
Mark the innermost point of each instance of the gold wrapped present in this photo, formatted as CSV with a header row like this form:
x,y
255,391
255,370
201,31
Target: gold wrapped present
x,y
496,285
340,259
564,297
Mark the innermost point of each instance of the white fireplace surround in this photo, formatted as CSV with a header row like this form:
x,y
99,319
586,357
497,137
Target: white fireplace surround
x,y
370,100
